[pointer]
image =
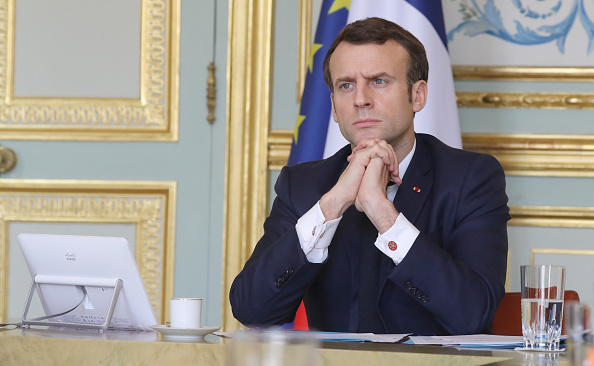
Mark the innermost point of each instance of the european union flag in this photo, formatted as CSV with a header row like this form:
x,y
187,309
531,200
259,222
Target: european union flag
x,y
311,128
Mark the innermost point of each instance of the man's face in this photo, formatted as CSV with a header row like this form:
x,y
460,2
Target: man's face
x,y
371,98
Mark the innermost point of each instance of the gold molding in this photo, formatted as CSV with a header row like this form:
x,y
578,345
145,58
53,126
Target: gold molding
x,y
150,206
519,154
152,117
523,73
279,148
580,252
249,66
552,216
303,44
525,100
536,154
211,93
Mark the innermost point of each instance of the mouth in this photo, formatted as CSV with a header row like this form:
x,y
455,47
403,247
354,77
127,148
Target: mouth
x,y
366,122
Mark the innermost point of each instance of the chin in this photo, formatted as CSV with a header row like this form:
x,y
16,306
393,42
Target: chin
x,y
371,137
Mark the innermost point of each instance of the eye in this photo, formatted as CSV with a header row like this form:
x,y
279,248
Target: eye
x,y
379,81
345,86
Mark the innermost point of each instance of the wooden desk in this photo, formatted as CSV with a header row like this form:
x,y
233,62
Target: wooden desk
x,y
50,347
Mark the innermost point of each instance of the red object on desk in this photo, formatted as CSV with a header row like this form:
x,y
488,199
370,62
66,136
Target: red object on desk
x,y
300,322
508,317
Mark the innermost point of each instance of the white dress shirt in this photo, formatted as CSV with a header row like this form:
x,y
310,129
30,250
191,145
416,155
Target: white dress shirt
x,y
315,234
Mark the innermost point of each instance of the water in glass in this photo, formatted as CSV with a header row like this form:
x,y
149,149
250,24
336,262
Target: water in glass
x,y
541,323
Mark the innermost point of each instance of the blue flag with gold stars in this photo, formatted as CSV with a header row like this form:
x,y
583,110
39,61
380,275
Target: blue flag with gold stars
x,y
311,128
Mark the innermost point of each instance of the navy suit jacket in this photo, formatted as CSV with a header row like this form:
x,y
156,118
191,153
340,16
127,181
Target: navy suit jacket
x,y
450,282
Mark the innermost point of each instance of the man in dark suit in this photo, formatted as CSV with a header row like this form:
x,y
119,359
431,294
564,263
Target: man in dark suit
x,y
426,255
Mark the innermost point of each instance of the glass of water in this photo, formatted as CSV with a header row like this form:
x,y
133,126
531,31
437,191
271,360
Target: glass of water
x,y
272,348
543,288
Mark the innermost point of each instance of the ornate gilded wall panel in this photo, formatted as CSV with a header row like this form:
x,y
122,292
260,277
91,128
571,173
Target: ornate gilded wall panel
x,y
152,116
149,206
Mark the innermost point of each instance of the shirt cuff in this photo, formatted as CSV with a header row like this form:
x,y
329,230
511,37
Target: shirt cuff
x,y
315,234
397,241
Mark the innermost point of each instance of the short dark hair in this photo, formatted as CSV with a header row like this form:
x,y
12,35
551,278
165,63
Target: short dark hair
x,y
378,31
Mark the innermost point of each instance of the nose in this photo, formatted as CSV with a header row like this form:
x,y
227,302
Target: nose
x,y
363,97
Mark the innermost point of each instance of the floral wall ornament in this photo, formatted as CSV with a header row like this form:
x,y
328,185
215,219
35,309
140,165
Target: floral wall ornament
x,y
525,22
586,12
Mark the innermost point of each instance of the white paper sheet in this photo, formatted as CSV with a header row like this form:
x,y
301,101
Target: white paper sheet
x,y
472,340
339,337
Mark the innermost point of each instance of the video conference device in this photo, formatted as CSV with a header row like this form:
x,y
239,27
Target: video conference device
x,y
89,282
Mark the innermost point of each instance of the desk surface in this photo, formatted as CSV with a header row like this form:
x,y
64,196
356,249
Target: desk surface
x,y
69,347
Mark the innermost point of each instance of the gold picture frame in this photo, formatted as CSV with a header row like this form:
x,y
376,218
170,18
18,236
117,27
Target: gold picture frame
x,y
149,206
153,116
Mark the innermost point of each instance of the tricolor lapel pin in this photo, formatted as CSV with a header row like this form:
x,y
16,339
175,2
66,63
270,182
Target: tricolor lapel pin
x,y
417,189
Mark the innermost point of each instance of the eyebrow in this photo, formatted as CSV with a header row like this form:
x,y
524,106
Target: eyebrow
x,y
382,74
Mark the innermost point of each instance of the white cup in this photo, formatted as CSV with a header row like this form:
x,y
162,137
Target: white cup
x,y
185,312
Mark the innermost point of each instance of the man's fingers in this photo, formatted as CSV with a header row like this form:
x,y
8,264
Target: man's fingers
x,y
364,144
376,148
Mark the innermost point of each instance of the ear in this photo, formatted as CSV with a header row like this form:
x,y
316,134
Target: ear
x,y
333,108
419,95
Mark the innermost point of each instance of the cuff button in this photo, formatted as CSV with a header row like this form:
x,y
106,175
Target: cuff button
x,y
392,245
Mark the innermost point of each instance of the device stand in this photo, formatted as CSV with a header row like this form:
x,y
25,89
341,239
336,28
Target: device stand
x,y
114,283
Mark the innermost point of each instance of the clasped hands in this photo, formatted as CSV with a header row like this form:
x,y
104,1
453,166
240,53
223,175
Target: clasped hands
x,y
372,164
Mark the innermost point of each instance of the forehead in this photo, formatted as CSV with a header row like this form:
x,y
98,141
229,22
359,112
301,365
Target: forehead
x,y
349,58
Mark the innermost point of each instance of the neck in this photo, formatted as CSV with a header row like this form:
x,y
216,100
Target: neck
x,y
403,148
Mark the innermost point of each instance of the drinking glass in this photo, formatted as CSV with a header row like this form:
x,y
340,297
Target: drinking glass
x,y
543,288
272,348
575,320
